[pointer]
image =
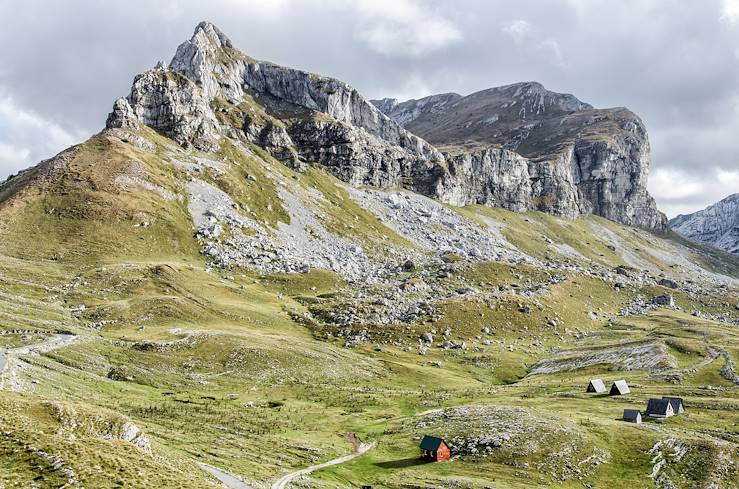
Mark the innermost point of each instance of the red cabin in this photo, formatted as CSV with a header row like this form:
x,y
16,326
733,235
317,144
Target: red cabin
x,y
433,448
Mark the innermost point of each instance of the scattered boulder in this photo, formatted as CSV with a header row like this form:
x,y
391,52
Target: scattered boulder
x,y
666,282
453,345
625,271
119,373
664,300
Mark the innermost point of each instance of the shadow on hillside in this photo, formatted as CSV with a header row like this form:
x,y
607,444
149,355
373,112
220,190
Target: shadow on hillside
x,y
402,463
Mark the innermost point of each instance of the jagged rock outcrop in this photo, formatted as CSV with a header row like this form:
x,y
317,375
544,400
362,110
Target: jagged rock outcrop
x,y
580,160
210,61
716,225
168,102
357,157
303,117
519,147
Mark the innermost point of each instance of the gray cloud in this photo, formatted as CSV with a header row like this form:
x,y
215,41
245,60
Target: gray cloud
x,y
676,64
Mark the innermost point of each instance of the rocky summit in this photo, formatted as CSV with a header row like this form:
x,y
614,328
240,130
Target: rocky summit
x,y
532,149
210,90
253,277
716,225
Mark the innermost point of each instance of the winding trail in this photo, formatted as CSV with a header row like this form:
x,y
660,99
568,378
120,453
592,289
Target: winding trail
x,y
226,479
360,450
60,340
711,355
7,356
233,482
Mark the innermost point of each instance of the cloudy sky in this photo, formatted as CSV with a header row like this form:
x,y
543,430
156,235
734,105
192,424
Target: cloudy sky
x,y
675,63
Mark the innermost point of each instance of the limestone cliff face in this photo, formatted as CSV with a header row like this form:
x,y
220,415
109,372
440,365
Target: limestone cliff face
x,y
579,159
716,225
518,147
611,173
503,178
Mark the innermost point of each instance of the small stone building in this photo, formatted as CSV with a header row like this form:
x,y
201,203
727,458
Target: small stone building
x,y
659,408
632,416
597,386
664,300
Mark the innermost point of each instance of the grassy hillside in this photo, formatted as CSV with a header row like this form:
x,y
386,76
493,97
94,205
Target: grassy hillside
x,y
258,372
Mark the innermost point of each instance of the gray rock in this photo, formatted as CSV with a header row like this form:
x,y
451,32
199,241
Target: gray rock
x,y
716,225
168,102
664,300
123,116
666,282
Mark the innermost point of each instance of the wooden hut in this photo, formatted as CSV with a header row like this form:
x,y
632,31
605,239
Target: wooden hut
x,y
677,404
434,448
659,408
597,386
619,388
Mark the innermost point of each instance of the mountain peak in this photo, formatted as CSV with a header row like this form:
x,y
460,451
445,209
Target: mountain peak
x,y
538,94
212,33
197,58
545,127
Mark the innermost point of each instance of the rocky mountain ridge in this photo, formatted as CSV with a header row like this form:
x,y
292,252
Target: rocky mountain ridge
x,y
211,90
297,116
716,225
576,159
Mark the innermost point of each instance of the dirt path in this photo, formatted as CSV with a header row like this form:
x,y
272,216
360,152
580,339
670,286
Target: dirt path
x,y
8,361
233,482
712,356
226,479
359,450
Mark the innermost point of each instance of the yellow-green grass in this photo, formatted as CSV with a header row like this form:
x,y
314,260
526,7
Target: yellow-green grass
x,y
83,215
29,428
215,366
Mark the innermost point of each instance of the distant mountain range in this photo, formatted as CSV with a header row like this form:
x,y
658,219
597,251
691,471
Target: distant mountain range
x,y
717,224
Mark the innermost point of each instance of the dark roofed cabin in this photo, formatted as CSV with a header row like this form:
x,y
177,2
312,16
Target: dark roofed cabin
x,y
677,404
433,448
619,388
659,408
632,416
597,386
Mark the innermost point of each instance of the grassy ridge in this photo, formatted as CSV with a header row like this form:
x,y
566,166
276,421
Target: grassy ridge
x,y
218,366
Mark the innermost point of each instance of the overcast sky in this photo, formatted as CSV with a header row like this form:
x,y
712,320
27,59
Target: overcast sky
x,y
675,63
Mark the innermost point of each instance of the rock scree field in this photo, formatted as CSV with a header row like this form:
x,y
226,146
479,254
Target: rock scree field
x,y
253,277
